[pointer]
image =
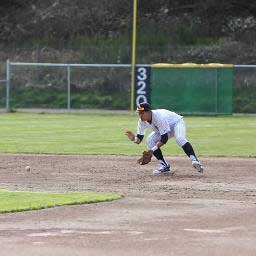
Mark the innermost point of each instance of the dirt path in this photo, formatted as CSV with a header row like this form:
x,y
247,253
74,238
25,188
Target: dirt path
x,y
184,214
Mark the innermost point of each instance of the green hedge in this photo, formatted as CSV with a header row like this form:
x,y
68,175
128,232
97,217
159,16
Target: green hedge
x,y
244,99
55,98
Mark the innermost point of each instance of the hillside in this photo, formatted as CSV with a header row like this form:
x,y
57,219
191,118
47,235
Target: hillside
x,y
100,31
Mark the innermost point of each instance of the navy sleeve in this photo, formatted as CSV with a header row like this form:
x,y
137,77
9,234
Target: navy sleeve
x,y
164,138
140,137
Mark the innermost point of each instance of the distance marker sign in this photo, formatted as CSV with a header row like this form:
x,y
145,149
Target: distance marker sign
x,y
142,85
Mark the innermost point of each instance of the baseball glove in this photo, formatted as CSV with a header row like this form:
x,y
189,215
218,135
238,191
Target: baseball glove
x,y
146,157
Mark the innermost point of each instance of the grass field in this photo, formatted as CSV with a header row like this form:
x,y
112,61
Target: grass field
x,y
24,201
104,134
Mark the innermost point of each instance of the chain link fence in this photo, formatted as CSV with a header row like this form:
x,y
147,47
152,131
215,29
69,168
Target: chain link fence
x,y
94,86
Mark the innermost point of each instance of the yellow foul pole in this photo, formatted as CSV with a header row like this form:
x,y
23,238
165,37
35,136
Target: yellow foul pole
x,y
133,52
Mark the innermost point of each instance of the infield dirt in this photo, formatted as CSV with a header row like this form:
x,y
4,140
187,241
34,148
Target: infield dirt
x,y
184,214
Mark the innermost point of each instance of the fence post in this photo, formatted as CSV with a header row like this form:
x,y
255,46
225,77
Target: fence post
x,y
8,76
68,88
216,90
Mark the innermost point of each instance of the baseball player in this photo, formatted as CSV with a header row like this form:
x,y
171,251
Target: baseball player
x,y
165,124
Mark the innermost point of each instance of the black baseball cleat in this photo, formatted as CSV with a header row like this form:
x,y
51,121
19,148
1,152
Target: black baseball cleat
x,y
162,170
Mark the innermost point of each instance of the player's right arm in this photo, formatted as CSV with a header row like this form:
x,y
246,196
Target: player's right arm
x,y
136,139
140,133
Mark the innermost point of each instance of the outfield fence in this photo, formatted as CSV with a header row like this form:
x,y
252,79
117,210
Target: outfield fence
x,y
244,89
67,86
71,87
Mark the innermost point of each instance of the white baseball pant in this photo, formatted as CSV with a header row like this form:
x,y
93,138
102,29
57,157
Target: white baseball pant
x,y
178,132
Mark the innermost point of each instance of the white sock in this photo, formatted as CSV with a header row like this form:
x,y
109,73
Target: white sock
x,y
193,158
163,162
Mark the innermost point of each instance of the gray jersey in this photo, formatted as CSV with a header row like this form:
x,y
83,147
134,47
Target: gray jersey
x,y
163,121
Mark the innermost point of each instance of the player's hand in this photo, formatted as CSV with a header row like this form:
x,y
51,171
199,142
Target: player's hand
x,y
130,135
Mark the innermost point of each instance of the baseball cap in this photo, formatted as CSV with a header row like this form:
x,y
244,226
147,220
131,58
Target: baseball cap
x,y
143,107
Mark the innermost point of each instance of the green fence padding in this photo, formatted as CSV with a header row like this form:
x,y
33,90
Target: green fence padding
x,y
192,88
